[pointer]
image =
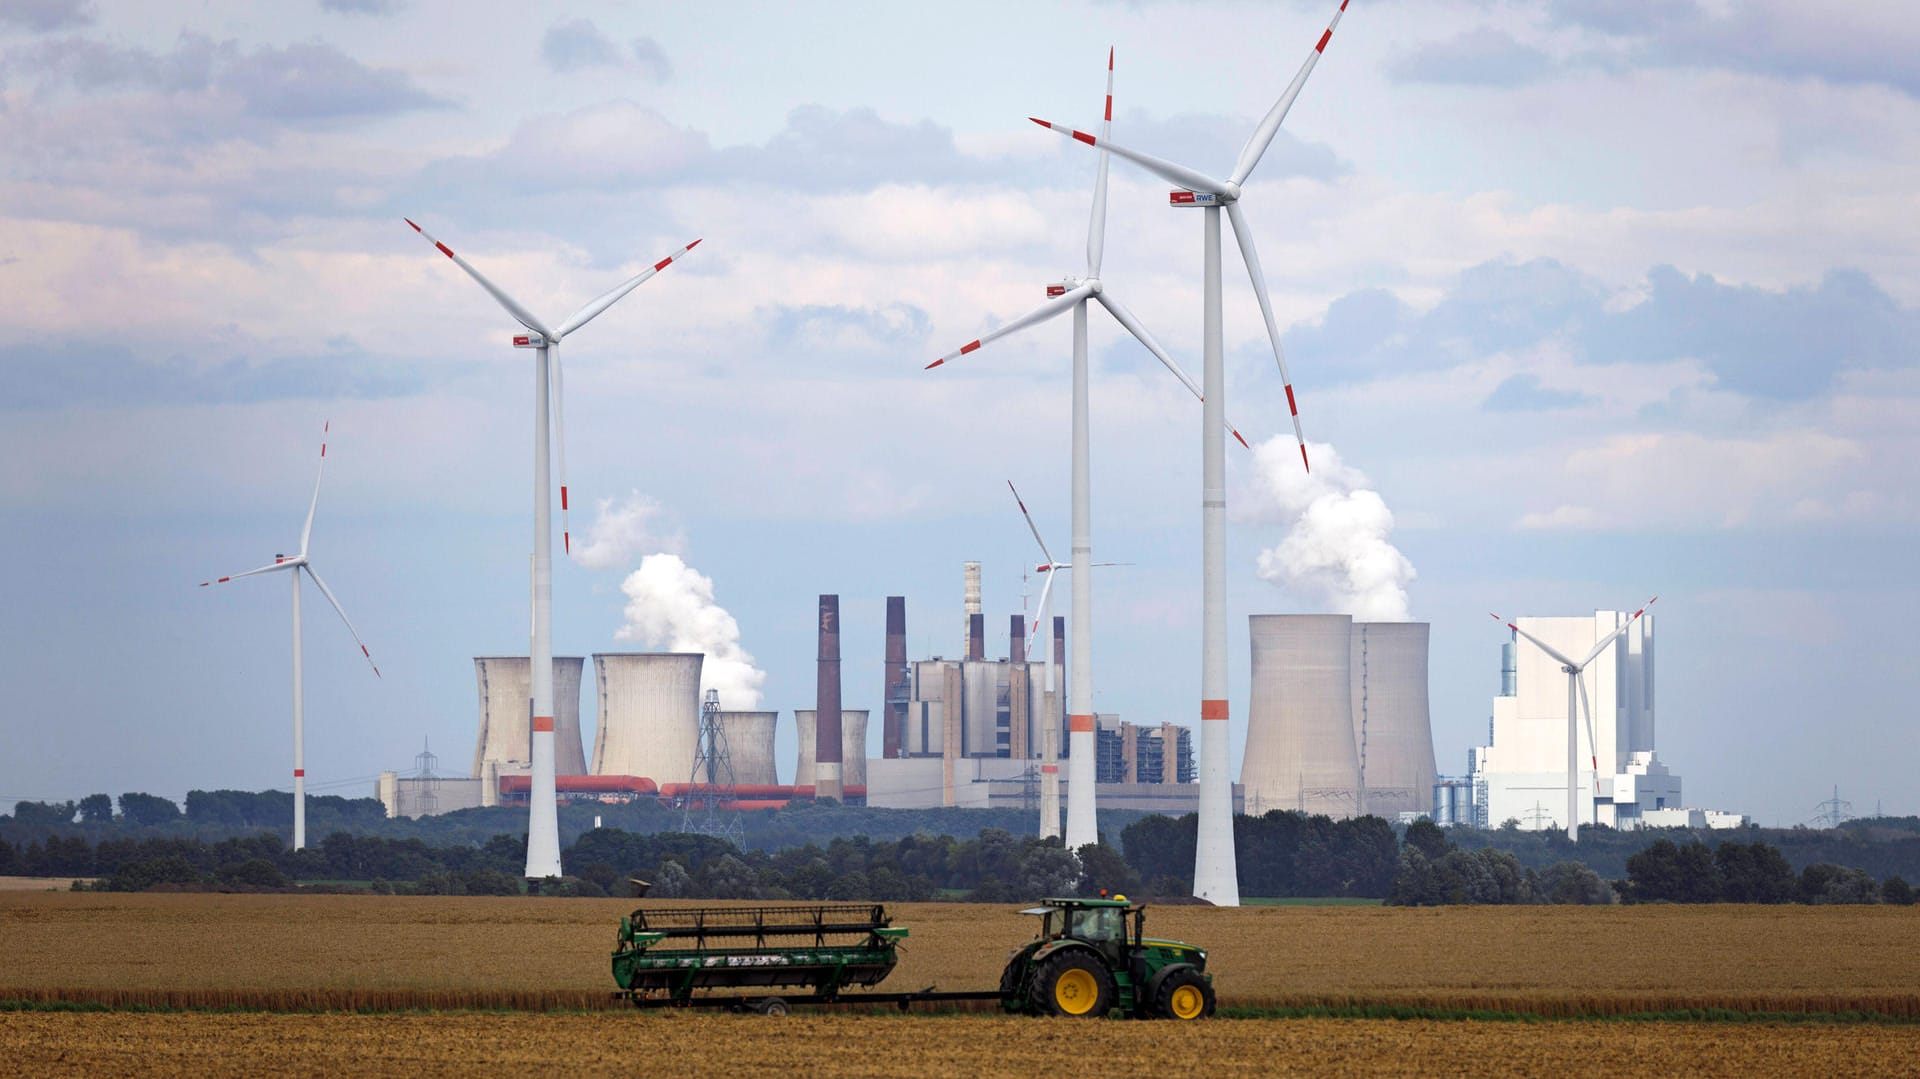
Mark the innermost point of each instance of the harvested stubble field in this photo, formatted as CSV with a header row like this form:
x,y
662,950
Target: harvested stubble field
x,y
384,952
698,1044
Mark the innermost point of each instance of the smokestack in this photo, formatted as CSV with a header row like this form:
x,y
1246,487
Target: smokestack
x,y
893,721
826,750
1017,638
1019,692
977,636
972,607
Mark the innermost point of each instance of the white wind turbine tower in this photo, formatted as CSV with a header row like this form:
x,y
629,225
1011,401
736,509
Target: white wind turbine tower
x,y
1073,293
295,565
1215,873
1577,699
549,384
1050,744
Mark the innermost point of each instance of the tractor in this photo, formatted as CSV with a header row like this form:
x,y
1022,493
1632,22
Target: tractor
x,y
1088,961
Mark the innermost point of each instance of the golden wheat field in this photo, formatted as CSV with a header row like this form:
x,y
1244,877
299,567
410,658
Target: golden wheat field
x,y
748,1046
385,951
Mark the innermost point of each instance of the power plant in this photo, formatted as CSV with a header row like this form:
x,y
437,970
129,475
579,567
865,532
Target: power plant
x,y
853,753
649,714
750,743
505,744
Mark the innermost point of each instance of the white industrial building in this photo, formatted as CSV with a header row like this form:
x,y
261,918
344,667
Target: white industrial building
x,y
1521,775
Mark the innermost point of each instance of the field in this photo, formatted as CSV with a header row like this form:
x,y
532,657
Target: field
x,y
342,954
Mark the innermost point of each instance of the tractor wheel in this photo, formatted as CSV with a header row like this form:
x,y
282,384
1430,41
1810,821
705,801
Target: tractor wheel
x,y
771,1006
1010,985
1183,994
1072,983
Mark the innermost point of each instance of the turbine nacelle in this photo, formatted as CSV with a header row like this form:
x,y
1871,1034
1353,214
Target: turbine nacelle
x,y
1069,283
1184,197
529,340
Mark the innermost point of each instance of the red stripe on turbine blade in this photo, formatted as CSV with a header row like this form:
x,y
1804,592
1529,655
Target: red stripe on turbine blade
x,y
323,449
695,243
1086,138
444,249
409,221
969,347
1109,108
364,652
1240,438
1291,407
1322,47
933,365
663,263
224,580
563,496
1041,122
1304,463
566,541
1109,58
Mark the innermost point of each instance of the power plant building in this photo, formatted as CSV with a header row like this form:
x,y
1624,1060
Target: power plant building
x,y
1338,723
649,714
1522,774
1131,753
506,711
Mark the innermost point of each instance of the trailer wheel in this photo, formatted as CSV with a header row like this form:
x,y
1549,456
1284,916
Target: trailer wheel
x,y
771,1006
1072,983
1183,994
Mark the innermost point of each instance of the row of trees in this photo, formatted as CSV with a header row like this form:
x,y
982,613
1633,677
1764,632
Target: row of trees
x,y
1281,853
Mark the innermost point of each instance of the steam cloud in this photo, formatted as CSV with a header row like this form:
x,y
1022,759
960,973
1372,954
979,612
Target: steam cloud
x,y
1336,549
670,604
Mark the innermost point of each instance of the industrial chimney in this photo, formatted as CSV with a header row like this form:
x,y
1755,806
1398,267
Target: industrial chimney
x,y
977,637
893,718
826,750
972,607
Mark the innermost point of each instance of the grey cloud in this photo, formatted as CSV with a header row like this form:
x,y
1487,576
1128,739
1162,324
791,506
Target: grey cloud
x,y
1480,57
1783,38
651,60
105,374
41,16
1763,343
213,85
847,333
576,44
1523,393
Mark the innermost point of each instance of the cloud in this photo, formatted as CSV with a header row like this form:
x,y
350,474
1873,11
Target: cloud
x,y
216,89
40,16
631,528
577,44
841,331
106,374
1523,393
1843,44
1337,550
1483,56
361,7
651,60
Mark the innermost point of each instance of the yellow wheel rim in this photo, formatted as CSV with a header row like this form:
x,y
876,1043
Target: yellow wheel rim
x,y
1075,992
1187,1003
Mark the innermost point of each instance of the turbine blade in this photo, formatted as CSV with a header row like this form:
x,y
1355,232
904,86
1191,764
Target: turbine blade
x,y
1593,742
1251,257
1133,326
1166,170
282,563
1543,646
307,530
1097,228
520,314
341,611
558,396
1042,610
608,298
1262,136
1039,314
1031,527
1616,634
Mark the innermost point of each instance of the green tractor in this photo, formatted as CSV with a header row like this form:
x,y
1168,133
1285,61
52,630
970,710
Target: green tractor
x,y
1086,963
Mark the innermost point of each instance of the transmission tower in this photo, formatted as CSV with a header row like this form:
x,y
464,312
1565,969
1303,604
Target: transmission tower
x,y
427,801
1540,818
708,808
1834,812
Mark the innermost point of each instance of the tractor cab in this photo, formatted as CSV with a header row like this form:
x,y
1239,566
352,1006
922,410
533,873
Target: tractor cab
x,y
1100,923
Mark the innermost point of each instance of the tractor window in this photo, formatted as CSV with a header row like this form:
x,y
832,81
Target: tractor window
x,y
1101,925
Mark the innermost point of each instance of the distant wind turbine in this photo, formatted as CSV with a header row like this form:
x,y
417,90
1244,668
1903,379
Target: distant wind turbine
x,y
543,823
1215,875
295,565
1577,702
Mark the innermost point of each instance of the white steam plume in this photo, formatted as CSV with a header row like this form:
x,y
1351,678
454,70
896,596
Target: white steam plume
x,y
1336,549
670,604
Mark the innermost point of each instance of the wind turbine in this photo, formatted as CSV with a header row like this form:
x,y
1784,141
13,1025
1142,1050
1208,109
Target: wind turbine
x,y
1081,746
1215,874
1577,698
1072,293
295,565
543,823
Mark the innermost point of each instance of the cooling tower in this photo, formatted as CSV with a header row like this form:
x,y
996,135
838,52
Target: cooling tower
x,y
853,748
750,746
893,720
506,696
830,774
1300,750
1392,731
649,714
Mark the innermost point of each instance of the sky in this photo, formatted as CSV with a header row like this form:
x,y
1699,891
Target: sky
x,y
1588,301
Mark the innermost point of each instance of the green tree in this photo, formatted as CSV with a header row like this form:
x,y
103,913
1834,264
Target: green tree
x,y
1755,873
1428,838
1665,873
44,814
1894,891
96,809
147,809
1571,882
